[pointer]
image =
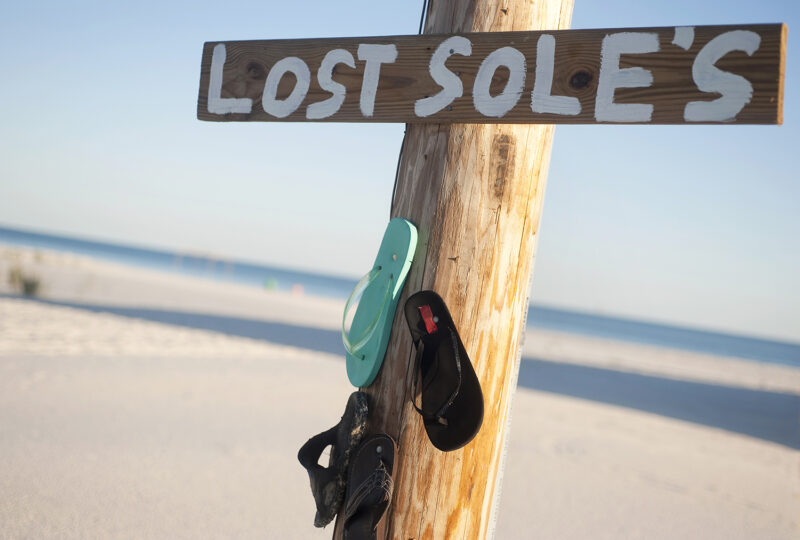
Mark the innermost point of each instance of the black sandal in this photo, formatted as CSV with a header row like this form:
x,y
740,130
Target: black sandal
x,y
452,401
369,489
328,483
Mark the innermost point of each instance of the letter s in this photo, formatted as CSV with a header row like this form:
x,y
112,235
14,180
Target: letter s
x,y
449,81
736,90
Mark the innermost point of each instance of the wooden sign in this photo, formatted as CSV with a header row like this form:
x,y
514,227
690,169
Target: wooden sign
x,y
671,75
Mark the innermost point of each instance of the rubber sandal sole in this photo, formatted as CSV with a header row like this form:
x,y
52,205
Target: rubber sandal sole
x,y
371,327
369,489
328,484
440,374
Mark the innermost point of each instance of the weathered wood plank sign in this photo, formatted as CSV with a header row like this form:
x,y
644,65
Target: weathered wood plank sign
x,y
671,75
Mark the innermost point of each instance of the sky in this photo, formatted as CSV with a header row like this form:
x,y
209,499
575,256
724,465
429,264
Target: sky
x,y
689,225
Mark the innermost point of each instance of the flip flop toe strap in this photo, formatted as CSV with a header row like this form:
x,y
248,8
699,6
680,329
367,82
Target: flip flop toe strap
x,y
379,484
438,416
355,345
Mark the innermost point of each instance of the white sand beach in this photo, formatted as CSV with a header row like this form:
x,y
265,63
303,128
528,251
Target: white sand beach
x,y
135,403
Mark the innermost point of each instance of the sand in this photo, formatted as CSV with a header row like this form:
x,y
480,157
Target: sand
x,y
135,403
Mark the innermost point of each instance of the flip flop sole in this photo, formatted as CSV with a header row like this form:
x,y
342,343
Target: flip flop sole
x,y
440,376
367,483
376,308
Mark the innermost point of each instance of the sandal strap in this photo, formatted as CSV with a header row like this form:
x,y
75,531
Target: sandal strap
x,y
380,479
417,376
354,346
438,416
311,451
415,388
454,343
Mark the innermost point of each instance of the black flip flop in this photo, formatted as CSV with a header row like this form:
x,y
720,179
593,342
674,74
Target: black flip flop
x,y
452,401
328,483
369,489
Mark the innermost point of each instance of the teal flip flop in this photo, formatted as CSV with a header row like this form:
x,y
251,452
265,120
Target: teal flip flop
x,y
379,292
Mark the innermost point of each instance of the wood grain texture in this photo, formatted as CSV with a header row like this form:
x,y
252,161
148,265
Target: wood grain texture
x,y
782,73
475,194
576,74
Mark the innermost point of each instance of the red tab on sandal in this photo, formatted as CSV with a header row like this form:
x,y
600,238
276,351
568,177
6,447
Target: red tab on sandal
x,y
427,316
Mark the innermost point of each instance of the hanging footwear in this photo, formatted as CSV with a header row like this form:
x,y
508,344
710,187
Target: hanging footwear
x,y
451,398
379,292
328,483
369,489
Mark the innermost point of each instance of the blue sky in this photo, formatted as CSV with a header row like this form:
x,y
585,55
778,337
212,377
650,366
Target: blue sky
x,y
695,225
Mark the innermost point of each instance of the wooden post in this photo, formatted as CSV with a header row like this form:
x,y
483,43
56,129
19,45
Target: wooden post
x,y
475,194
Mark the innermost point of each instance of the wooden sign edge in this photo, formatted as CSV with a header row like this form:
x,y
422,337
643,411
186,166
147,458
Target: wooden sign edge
x,y
770,26
780,28
782,72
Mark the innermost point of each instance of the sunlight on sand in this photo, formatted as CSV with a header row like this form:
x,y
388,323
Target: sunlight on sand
x,y
135,403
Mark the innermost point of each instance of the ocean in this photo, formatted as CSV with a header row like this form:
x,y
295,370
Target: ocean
x,y
549,318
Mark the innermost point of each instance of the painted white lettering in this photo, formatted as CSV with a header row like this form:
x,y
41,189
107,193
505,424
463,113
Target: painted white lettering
x,y
216,103
541,99
499,105
684,37
736,90
612,77
452,87
374,56
330,106
281,108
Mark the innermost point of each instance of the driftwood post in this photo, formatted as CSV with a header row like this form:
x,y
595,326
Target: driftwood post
x,y
475,193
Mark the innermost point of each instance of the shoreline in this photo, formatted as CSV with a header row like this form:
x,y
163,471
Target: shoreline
x,y
85,282
614,327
